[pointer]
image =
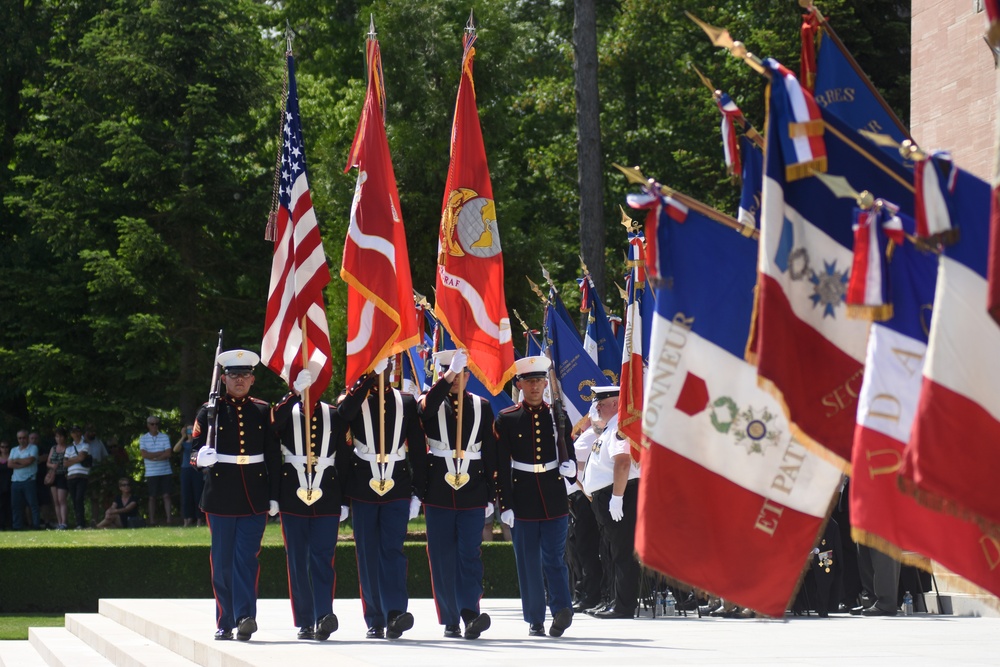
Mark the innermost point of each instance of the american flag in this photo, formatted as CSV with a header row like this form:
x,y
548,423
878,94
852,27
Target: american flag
x,y
299,272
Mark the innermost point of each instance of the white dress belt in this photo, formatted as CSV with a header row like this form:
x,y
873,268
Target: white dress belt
x,y
536,468
293,459
241,460
450,453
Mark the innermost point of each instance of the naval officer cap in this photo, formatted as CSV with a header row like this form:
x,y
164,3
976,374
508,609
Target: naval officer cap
x,y
600,393
237,361
532,367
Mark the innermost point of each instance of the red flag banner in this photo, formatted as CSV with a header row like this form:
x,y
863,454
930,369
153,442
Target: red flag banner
x,y
381,319
633,368
299,272
470,299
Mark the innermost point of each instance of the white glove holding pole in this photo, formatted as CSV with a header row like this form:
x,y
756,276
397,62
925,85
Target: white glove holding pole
x,y
567,469
303,381
414,507
507,516
207,457
616,509
381,366
489,510
273,508
458,362
345,511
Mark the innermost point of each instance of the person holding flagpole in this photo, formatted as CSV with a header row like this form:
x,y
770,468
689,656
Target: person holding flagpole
x,y
454,479
383,424
533,499
311,504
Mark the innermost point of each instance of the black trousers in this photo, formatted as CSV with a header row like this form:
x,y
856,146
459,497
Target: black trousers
x,y
620,536
583,550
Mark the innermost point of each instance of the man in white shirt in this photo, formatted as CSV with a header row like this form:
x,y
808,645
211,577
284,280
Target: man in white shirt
x,y
156,448
611,480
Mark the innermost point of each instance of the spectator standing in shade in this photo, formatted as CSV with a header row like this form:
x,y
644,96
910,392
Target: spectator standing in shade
x,y
155,449
192,480
77,464
23,460
46,511
59,489
5,474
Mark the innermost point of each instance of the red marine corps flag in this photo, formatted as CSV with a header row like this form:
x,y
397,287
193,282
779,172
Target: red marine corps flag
x,y
381,320
296,314
470,298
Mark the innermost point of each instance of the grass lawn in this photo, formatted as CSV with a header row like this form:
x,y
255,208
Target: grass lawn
x,y
16,627
148,536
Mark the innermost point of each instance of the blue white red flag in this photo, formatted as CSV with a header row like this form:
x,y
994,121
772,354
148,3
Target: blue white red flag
x,y
883,516
934,191
599,339
712,432
731,116
574,369
299,272
954,450
752,177
808,352
868,290
633,366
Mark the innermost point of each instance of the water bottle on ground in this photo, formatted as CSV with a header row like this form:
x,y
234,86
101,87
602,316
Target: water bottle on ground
x,y
907,604
658,608
669,604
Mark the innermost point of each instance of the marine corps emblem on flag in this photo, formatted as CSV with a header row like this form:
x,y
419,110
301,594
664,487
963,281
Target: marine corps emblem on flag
x,y
470,225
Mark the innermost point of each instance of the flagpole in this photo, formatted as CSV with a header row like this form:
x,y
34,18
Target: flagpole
x,y
381,425
748,129
459,454
308,411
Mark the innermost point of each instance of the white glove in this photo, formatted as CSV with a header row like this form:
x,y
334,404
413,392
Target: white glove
x,y
616,509
507,516
207,457
489,510
458,362
345,511
414,507
381,366
303,381
567,469
273,508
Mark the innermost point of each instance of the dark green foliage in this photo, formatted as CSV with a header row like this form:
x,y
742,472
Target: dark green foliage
x,y
184,572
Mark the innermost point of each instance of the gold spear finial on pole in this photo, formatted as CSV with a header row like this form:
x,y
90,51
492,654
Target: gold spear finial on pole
x,y
841,187
721,37
628,223
909,149
538,291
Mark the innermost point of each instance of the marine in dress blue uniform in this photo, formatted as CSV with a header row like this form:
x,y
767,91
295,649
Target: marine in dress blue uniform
x,y
455,490
380,494
311,507
241,488
533,499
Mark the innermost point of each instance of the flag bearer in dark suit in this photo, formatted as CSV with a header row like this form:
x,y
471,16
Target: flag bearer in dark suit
x,y
382,501
310,502
454,479
533,499
241,489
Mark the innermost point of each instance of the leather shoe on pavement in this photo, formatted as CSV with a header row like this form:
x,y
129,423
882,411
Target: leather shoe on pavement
x,y
477,626
562,620
375,633
306,632
875,611
245,627
611,612
223,635
536,630
856,611
326,627
452,632
398,624
583,606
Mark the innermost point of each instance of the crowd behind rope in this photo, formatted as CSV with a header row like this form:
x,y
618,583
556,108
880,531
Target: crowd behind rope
x,y
572,522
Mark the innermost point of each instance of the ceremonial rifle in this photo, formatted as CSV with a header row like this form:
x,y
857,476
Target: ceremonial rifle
x,y
558,414
212,411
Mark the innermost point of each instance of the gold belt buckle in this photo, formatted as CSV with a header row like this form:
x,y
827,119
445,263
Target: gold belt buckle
x,y
539,468
242,460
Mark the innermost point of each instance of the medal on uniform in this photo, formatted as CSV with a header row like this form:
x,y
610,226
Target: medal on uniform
x,y
456,480
381,486
309,495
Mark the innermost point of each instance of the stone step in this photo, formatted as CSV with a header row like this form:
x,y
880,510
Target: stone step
x,y
61,648
19,653
120,645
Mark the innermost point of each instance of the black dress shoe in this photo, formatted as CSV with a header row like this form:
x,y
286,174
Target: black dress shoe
x,y
223,635
306,632
326,627
477,626
612,613
562,620
245,627
601,606
398,624
536,630
583,606
875,611
453,632
856,611
375,633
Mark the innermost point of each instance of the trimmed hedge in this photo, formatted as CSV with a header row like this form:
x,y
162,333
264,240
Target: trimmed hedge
x,y
73,579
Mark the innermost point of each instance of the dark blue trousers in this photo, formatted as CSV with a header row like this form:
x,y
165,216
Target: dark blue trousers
x,y
540,552
235,547
379,531
454,550
310,548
